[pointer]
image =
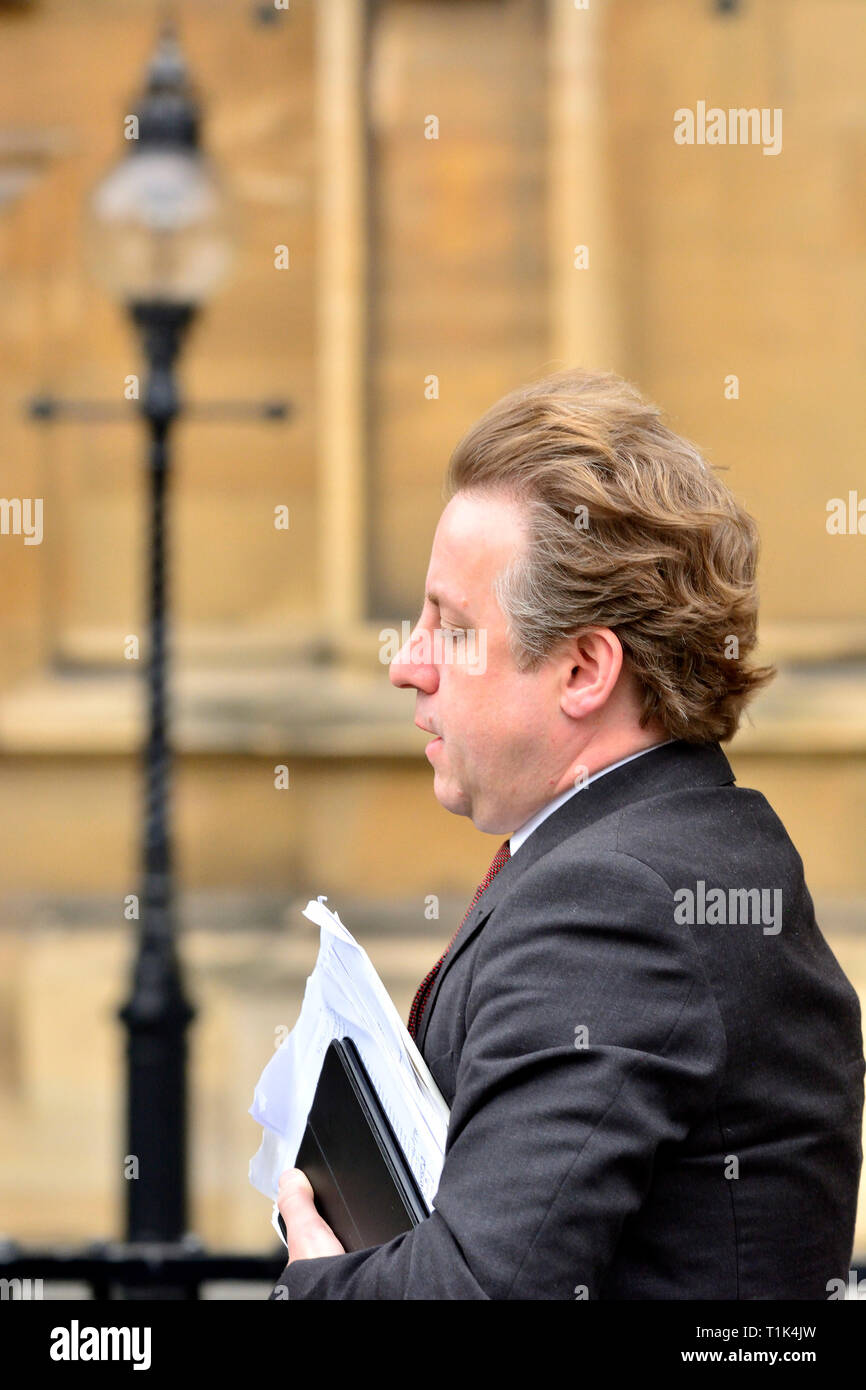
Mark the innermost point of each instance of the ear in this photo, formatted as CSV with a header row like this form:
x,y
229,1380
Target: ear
x,y
591,663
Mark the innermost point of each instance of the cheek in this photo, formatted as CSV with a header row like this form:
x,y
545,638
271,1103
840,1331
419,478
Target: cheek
x,y
499,714
503,725
468,710
522,718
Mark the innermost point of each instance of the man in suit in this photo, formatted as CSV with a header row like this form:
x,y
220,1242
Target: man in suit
x,y
653,1060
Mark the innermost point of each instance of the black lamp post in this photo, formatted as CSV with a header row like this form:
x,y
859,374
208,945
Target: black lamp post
x,y
159,240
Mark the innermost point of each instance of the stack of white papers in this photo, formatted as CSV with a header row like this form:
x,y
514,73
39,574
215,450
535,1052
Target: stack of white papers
x,y
344,997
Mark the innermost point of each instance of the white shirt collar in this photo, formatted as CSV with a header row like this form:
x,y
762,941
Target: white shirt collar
x,y
534,822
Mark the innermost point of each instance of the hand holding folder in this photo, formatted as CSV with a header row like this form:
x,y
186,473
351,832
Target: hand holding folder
x,y
348,1098
363,1184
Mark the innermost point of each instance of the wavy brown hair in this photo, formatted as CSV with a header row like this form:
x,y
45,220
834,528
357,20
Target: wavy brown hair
x,y
628,529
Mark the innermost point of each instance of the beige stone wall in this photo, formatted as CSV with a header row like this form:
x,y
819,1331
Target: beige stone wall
x,y
736,262
410,258
69,71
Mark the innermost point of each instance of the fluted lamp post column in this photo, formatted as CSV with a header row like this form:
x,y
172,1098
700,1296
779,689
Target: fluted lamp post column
x,y
159,239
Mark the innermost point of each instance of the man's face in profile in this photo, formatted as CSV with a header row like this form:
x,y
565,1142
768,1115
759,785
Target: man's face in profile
x,y
497,752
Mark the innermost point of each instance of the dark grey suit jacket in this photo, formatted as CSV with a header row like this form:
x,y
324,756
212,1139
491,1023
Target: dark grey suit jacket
x,y
643,1106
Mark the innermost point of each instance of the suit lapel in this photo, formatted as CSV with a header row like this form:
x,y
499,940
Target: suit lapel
x,y
668,768
473,924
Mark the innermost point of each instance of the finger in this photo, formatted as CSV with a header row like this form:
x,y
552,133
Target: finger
x,y
308,1236
295,1179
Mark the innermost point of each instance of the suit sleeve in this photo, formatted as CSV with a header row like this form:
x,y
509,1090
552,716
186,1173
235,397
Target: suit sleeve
x,y
592,1038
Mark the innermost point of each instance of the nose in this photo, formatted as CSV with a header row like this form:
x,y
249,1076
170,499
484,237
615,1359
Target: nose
x,y
411,668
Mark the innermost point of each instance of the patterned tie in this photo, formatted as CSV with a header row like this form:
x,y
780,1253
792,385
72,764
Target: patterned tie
x,y
502,856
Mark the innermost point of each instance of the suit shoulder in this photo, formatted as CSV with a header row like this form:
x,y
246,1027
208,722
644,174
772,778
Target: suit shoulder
x,y
723,829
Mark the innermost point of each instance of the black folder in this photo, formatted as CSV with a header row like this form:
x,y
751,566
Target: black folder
x,y
363,1185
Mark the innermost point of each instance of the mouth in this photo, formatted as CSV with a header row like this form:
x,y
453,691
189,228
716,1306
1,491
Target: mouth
x,y
435,740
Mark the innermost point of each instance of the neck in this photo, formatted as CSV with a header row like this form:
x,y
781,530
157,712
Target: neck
x,y
608,746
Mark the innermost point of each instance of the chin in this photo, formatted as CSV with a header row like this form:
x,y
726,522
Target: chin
x,y
492,826
451,798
